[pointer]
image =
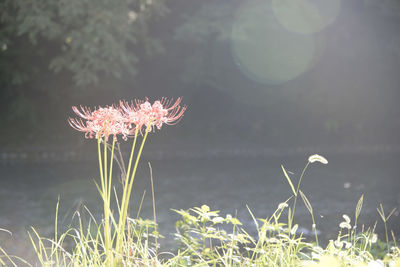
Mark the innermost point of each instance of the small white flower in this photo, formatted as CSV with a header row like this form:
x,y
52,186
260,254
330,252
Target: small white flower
x,y
318,158
4,47
345,225
346,218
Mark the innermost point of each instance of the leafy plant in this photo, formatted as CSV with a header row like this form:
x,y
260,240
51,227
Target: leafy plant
x,y
207,238
85,38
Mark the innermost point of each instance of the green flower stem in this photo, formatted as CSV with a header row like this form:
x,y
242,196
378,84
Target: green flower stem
x,y
297,193
126,179
100,164
128,189
135,168
122,218
315,229
111,168
106,193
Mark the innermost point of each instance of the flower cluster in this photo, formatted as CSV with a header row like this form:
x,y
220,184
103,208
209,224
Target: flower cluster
x,y
126,119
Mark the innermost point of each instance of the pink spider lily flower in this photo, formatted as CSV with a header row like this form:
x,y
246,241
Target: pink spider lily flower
x,y
165,111
131,114
99,123
142,113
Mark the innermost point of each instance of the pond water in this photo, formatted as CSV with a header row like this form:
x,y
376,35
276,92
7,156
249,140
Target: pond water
x,y
29,192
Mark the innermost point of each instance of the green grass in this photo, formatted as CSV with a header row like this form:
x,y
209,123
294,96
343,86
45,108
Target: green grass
x,y
204,237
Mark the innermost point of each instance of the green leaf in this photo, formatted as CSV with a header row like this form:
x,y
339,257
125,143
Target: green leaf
x,y
289,181
381,213
235,221
205,208
306,202
391,213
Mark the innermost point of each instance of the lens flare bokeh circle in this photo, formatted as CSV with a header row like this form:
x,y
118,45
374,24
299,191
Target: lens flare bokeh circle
x,y
305,16
264,50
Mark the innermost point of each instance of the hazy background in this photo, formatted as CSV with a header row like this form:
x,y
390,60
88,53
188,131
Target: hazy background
x,y
271,72
266,82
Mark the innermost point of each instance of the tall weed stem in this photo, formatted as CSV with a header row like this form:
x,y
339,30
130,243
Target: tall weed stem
x,y
297,193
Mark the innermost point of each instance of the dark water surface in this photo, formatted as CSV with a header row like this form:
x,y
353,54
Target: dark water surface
x,y
29,192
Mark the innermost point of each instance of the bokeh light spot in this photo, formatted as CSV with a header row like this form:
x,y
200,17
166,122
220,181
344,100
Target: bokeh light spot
x,y
306,16
264,50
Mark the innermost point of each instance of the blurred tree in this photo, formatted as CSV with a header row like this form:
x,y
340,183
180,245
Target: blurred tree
x,y
47,47
87,38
